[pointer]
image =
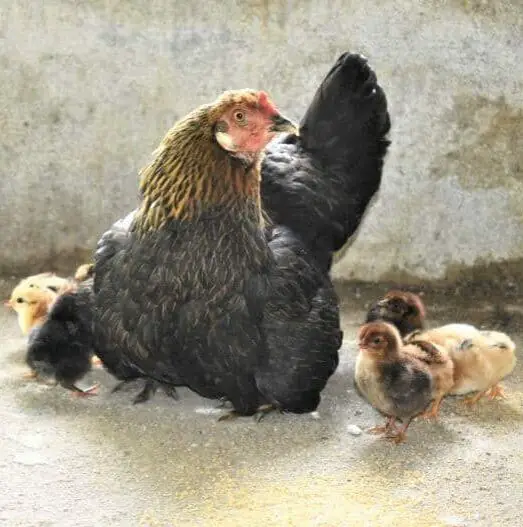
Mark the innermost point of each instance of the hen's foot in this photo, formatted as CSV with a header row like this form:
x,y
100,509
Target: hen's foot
x,y
147,392
263,410
170,391
229,416
223,403
260,413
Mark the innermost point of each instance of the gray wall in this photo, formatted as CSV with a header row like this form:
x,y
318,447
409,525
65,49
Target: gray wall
x,y
89,90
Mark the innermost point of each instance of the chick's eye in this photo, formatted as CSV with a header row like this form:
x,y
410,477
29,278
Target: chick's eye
x,y
240,116
19,300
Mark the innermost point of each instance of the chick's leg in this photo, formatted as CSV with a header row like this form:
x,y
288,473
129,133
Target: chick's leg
x,y
389,425
399,435
469,401
433,411
496,391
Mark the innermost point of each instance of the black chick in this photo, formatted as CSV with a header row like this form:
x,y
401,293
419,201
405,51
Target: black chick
x,y
68,326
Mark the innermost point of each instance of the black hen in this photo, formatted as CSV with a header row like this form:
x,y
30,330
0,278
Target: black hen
x,y
318,183
198,295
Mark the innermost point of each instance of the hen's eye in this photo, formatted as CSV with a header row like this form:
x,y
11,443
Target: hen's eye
x,y
376,340
239,116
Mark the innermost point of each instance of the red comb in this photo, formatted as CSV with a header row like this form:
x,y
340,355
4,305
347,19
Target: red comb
x,y
266,104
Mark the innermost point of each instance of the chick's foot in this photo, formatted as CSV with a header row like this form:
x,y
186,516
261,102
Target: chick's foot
x,y
496,392
433,411
469,401
390,425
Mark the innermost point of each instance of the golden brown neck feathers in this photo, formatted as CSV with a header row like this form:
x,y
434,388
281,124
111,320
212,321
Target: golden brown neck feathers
x,y
192,174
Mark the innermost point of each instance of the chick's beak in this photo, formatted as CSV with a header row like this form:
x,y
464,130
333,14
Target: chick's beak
x,y
7,303
280,124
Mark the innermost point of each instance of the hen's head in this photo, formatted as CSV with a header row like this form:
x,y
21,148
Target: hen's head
x,y
403,309
246,120
379,339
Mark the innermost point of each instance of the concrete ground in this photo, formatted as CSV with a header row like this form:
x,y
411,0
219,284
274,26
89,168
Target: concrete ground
x,y
104,462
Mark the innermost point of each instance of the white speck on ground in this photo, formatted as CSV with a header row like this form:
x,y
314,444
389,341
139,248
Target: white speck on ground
x,y
354,430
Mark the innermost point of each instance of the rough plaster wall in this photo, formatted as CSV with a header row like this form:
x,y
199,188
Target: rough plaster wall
x,y
89,88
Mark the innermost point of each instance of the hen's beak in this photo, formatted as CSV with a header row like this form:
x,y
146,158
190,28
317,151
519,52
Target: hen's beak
x,y
280,124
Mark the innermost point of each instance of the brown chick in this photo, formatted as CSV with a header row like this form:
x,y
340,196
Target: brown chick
x,y
403,309
395,378
481,358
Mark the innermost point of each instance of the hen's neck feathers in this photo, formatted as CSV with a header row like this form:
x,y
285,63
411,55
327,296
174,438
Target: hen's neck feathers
x,y
191,175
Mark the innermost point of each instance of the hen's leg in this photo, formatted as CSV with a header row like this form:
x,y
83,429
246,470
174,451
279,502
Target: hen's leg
x,y
147,392
170,391
224,403
260,413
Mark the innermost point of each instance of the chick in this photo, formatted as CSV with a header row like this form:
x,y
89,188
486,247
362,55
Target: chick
x,y
43,281
403,309
32,300
46,343
442,370
481,359
83,272
31,303
395,378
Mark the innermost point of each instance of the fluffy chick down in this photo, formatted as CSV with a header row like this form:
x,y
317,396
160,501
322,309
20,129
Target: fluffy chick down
x,y
482,359
400,380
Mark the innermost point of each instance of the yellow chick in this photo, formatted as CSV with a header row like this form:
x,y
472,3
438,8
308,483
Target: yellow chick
x,y
481,358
